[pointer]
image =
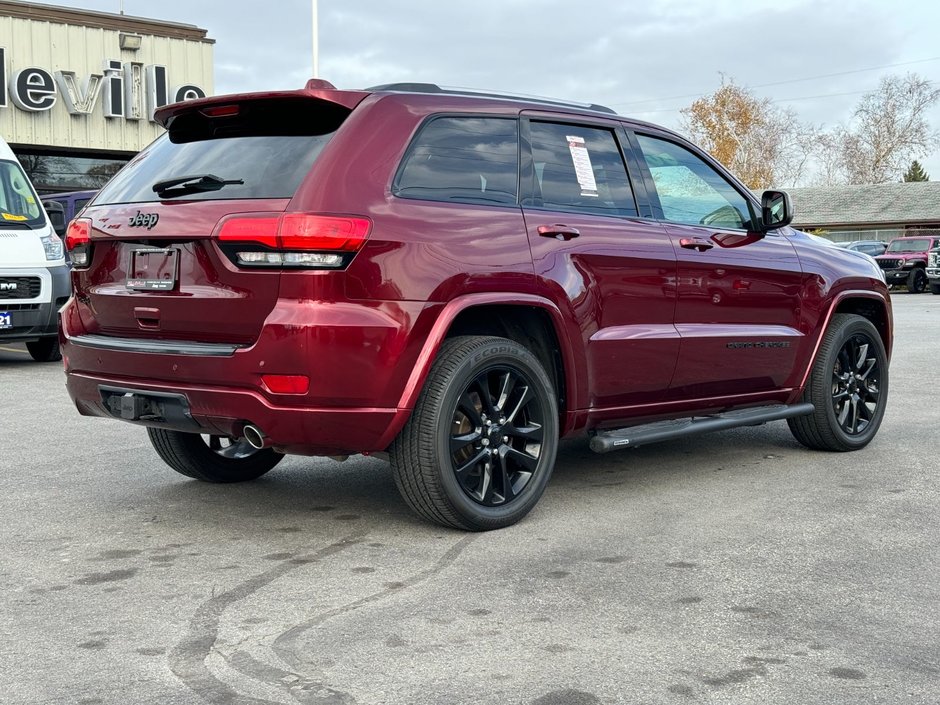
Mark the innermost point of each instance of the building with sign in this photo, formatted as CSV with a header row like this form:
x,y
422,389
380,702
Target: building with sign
x,y
78,89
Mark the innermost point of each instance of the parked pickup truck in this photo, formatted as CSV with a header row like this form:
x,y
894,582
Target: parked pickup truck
x,y
933,269
905,262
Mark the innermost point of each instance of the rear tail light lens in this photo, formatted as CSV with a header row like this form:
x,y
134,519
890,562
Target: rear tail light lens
x,y
316,232
295,240
78,241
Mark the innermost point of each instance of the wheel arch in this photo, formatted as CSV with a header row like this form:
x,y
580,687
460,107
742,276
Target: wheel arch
x,y
529,320
868,304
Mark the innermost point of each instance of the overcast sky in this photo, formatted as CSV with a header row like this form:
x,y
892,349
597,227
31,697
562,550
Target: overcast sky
x,y
645,59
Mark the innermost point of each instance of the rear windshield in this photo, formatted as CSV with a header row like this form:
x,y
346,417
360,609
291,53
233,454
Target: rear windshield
x,y
269,146
18,203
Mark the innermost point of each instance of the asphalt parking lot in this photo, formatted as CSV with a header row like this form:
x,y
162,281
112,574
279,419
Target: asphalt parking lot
x,y
735,567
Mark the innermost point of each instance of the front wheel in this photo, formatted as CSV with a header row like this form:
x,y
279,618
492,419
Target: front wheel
x,y
45,349
848,386
212,458
917,281
480,446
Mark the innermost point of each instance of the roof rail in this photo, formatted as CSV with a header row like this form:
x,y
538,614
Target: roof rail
x,y
434,88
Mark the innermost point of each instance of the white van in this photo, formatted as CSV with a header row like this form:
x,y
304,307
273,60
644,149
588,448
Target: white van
x,y
34,279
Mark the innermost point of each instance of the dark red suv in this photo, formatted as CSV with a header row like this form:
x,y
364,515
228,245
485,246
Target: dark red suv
x,y
456,281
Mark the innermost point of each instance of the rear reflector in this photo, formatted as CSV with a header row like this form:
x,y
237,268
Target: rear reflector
x,y
286,384
299,231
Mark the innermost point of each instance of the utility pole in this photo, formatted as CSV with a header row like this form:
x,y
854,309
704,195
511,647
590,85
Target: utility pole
x,y
316,42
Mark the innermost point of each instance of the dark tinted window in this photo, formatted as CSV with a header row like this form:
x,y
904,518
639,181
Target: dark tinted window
x,y
580,168
464,159
690,190
270,146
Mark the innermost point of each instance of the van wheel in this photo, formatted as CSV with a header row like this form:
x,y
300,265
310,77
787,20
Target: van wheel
x,y
848,386
935,288
45,349
917,281
480,446
212,458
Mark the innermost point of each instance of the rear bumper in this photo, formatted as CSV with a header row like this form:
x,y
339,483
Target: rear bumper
x,y
357,358
220,411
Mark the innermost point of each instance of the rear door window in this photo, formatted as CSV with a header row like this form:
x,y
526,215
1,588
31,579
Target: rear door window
x,y
269,146
580,168
463,159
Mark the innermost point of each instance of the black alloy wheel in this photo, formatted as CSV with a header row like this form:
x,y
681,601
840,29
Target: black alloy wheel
x,y
496,436
480,445
856,385
848,386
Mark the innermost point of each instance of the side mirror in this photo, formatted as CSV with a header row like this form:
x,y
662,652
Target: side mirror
x,y
776,210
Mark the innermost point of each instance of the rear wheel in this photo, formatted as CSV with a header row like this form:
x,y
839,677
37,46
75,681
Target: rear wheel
x,y
935,288
917,281
480,446
45,349
848,386
212,458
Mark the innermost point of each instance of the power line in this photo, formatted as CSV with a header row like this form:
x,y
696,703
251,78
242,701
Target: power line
x,y
780,100
780,83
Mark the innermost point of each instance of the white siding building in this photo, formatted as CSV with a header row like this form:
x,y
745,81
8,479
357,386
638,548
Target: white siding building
x,y
78,88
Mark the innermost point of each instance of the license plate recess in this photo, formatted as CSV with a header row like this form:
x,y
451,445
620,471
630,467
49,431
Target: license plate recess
x,y
153,269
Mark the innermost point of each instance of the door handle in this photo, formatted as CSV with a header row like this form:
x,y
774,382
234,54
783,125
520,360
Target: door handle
x,y
558,231
695,243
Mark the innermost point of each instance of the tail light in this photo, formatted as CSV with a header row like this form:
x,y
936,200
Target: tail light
x,y
294,240
78,242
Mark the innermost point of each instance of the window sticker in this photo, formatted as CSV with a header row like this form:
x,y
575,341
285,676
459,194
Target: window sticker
x,y
11,216
582,165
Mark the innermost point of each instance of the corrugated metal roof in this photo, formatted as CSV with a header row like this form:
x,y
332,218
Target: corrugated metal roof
x,y
915,202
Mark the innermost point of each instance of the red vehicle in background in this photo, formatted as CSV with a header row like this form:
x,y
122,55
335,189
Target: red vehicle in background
x,y
905,262
456,281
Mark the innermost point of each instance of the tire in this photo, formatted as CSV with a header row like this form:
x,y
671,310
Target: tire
x,y
45,349
917,281
848,386
935,288
464,459
218,459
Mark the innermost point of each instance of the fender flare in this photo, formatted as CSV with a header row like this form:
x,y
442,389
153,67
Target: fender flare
x,y
838,299
574,363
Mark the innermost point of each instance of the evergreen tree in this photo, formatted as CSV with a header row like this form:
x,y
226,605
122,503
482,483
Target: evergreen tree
x,y
915,172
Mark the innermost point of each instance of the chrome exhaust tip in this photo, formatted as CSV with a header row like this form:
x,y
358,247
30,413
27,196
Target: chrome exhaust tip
x,y
255,436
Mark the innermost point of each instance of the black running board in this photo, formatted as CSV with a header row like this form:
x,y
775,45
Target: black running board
x,y
618,439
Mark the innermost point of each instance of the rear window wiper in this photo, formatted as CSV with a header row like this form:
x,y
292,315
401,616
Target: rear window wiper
x,y
183,185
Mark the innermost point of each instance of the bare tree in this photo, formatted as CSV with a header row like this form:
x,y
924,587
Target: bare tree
x,y
758,141
889,129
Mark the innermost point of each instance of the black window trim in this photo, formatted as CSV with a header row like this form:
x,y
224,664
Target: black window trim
x,y
527,197
729,178
412,145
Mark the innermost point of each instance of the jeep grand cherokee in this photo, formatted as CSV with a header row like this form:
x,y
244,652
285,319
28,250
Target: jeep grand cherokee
x,y
456,281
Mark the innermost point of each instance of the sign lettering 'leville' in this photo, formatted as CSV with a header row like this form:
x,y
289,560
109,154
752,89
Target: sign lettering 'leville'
x,y
127,90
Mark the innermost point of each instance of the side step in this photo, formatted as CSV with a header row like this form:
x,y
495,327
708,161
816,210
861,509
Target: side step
x,y
618,439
